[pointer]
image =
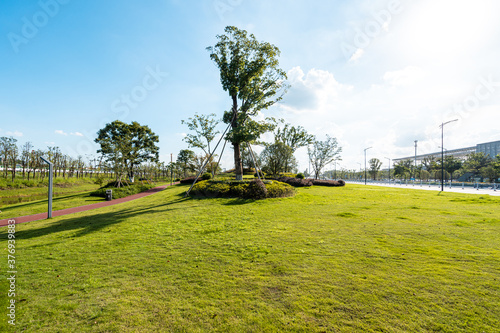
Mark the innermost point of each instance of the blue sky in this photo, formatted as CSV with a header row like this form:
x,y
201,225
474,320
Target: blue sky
x,y
371,73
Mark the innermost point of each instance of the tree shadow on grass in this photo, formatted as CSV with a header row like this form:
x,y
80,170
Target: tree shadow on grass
x,y
93,223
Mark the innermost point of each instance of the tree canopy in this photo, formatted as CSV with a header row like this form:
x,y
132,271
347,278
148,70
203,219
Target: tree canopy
x,y
323,153
204,130
250,73
127,145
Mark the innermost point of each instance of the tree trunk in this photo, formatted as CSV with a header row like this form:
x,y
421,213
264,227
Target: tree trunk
x,y
238,167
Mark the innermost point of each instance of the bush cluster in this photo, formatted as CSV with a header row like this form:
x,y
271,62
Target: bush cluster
x,y
206,176
296,182
254,189
319,182
122,192
300,176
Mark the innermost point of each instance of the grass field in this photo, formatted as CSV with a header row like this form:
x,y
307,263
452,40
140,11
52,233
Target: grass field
x,y
353,259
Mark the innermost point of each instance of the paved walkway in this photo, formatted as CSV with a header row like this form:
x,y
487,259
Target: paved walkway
x,y
41,216
437,188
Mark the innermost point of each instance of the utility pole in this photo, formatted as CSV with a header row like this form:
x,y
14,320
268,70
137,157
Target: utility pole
x,y
365,162
171,170
415,164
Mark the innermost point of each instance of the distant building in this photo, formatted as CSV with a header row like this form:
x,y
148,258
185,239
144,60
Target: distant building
x,y
489,148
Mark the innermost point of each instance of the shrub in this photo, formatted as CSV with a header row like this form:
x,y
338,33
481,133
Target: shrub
x,y
122,191
242,189
296,182
99,181
255,190
300,176
206,176
319,182
279,190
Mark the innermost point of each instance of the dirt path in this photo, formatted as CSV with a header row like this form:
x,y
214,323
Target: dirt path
x,y
41,216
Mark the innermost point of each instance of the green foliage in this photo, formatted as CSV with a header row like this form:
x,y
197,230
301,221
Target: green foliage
x,y
276,157
375,165
124,191
253,189
323,153
402,169
476,161
186,160
99,181
127,145
205,132
300,176
250,73
206,176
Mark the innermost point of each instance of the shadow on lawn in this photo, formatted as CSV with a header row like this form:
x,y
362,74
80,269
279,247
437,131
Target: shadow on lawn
x,y
93,223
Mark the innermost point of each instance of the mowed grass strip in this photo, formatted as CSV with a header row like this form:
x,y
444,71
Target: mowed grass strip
x,y
353,259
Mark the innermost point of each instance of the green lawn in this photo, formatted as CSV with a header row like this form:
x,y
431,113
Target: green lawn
x,y
353,259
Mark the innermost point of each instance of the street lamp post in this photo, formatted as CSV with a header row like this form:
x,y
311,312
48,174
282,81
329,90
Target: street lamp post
x,y
365,162
49,214
389,169
415,166
442,151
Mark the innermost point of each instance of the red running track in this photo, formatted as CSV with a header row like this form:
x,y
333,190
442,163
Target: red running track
x,y
41,216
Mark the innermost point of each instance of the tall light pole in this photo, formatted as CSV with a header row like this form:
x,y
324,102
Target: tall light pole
x,y
415,167
389,169
442,151
365,162
49,214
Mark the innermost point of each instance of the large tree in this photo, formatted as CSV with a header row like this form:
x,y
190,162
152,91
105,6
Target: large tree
x,y
250,73
127,145
323,153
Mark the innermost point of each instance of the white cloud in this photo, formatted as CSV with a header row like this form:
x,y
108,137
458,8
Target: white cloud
x,y
357,55
14,133
405,77
76,134
61,132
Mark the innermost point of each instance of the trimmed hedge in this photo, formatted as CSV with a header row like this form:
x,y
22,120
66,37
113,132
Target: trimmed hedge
x,y
122,192
296,182
254,189
335,183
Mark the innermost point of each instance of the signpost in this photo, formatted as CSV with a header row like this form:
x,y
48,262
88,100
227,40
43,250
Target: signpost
x,y
51,174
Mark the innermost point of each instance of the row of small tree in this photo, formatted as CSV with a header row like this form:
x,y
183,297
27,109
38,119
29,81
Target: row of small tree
x,y
25,160
477,164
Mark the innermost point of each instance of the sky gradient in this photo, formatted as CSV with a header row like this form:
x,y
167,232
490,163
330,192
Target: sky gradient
x,y
370,73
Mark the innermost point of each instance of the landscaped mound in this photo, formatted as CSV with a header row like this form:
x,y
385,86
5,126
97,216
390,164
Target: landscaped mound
x,y
125,190
255,189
